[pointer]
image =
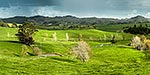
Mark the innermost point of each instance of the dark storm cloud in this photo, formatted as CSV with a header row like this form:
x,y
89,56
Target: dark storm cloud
x,y
81,8
8,3
118,8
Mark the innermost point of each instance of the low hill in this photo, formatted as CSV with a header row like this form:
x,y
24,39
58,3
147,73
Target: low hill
x,y
119,27
138,19
72,20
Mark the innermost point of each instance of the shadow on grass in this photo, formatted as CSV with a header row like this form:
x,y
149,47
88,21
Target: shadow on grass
x,y
11,41
64,60
17,55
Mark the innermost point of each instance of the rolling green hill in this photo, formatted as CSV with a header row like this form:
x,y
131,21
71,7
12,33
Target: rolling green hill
x,y
117,59
118,27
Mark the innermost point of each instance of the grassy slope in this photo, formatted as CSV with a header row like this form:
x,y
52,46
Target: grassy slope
x,y
117,59
116,27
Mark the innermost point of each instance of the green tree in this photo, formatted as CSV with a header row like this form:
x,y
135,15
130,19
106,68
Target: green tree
x,y
25,33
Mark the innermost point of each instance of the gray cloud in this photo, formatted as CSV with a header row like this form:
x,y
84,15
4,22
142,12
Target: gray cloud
x,y
81,8
8,3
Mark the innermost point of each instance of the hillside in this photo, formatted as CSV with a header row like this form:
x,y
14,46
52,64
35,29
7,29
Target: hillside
x,y
119,27
106,60
72,20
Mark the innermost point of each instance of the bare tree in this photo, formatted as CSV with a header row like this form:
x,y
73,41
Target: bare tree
x,y
82,51
136,43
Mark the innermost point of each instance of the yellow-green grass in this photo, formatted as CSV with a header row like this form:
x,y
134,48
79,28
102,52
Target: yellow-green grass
x,y
117,59
75,34
118,27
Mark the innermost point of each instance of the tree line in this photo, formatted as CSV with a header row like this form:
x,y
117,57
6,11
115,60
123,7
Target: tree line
x,y
137,29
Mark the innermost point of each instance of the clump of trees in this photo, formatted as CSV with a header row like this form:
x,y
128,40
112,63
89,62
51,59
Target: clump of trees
x,y
143,30
25,33
82,51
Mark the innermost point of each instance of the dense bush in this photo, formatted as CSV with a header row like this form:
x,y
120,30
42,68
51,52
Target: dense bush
x,y
146,45
137,29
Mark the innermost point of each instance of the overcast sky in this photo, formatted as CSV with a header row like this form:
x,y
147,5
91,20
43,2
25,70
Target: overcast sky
x,y
80,8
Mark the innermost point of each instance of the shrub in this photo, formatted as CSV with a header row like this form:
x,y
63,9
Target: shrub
x,y
146,45
147,54
137,29
24,51
82,51
36,50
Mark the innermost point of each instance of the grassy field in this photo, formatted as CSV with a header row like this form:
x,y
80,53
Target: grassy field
x,y
118,27
117,59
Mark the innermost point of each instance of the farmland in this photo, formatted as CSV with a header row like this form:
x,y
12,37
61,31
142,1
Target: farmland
x,y
106,59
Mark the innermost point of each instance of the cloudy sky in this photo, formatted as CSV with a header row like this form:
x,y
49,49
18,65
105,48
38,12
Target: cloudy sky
x,y
80,8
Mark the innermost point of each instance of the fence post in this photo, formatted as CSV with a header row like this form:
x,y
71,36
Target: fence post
x,y
8,35
67,37
105,37
54,36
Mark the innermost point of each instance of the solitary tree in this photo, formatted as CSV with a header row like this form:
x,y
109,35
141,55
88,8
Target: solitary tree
x,y
82,51
25,33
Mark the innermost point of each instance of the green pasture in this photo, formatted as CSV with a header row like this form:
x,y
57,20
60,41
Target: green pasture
x,y
107,58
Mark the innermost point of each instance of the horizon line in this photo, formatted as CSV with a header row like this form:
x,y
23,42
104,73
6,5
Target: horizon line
x,y
77,16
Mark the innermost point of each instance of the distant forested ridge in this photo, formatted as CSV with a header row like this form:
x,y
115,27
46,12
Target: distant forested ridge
x,y
72,20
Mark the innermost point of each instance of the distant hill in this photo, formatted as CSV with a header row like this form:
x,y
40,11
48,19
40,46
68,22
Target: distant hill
x,y
71,20
137,19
